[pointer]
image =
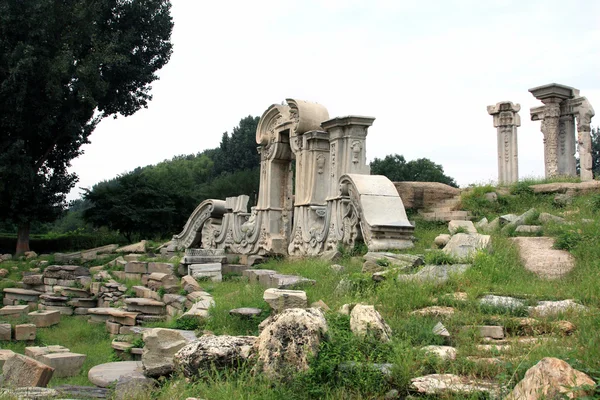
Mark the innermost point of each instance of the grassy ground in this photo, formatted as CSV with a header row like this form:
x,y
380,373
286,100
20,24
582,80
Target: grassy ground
x,y
498,272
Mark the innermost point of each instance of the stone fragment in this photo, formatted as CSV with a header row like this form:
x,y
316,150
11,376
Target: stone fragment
x,y
44,319
435,273
508,218
455,226
552,308
65,364
394,259
529,229
130,257
320,304
197,310
5,355
112,327
365,320
211,351
25,332
136,267
564,327
546,218
443,352
441,240
139,247
280,299
440,330
247,312
29,255
463,245
104,375
211,271
552,378
419,195
22,371
281,281
160,345
129,387
145,306
489,331
370,267
520,220
5,332
505,302
288,340
440,384
14,310
33,280
337,268
331,255
435,311
189,284
165,268
254,275
3,272
493,226
539,257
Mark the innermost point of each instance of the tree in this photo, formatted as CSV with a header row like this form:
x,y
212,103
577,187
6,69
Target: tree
x,y
397,169
64,66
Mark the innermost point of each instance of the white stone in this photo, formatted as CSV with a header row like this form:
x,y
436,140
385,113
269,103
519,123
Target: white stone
x,y
443,352
365,320
280,299
464,226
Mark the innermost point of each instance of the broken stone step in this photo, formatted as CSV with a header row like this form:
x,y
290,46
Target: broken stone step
x,y
247,312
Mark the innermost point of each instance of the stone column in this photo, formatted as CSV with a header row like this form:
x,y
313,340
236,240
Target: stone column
x,y
558,145
348,154
506,121
585,112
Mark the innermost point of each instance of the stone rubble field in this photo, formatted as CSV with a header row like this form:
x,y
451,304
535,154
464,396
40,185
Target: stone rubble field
x,y
504,306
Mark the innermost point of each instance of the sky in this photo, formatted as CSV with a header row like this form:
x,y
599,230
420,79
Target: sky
x,y
426,70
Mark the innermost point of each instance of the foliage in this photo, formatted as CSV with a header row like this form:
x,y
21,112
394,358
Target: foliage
x,y
64,66
71,241
397,169
155,201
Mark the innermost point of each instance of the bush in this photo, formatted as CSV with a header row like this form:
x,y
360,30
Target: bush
x,y
52,243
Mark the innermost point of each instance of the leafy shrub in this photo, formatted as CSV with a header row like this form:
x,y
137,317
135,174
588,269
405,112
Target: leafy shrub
x,y
438,257
567,240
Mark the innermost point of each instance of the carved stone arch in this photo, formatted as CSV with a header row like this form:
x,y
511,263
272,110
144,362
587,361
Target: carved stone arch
x,y
191,236
379,211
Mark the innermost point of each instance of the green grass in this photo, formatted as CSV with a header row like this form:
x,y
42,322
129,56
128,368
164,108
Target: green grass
x,y
499,271
78,336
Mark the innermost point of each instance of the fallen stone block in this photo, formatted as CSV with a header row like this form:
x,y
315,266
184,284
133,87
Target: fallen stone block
x,y
5,331
280,299
25,332
45,318
65,364
23,371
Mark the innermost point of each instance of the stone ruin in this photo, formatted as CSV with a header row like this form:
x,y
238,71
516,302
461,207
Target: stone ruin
x,y
328,199
562,107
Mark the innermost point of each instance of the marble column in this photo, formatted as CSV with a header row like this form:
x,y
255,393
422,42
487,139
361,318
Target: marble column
x,y
506,120
556,127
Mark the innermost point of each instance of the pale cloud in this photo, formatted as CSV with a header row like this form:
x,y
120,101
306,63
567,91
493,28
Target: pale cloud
x,y
425,70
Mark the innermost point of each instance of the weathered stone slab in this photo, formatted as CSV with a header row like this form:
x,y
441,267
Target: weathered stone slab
x,y
552,378
5,355
65,272
22,371
64,310
489,331
25,332
104,375
160,347
439,384
455,226
506,302
136,267
463,245
139,247
65,364
553,308
364,319
529,229
189,284
14,310
145,306
394,259
539,257
443,352
33,280
435,311
247,312
21,294
165,268
254,275
211,271
280,299
5,332
435,273
45,318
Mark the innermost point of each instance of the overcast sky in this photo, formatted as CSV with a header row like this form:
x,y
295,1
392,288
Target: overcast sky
x,y
426,70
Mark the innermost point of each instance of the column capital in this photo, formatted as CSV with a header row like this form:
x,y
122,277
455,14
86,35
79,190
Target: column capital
x,y
505,113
